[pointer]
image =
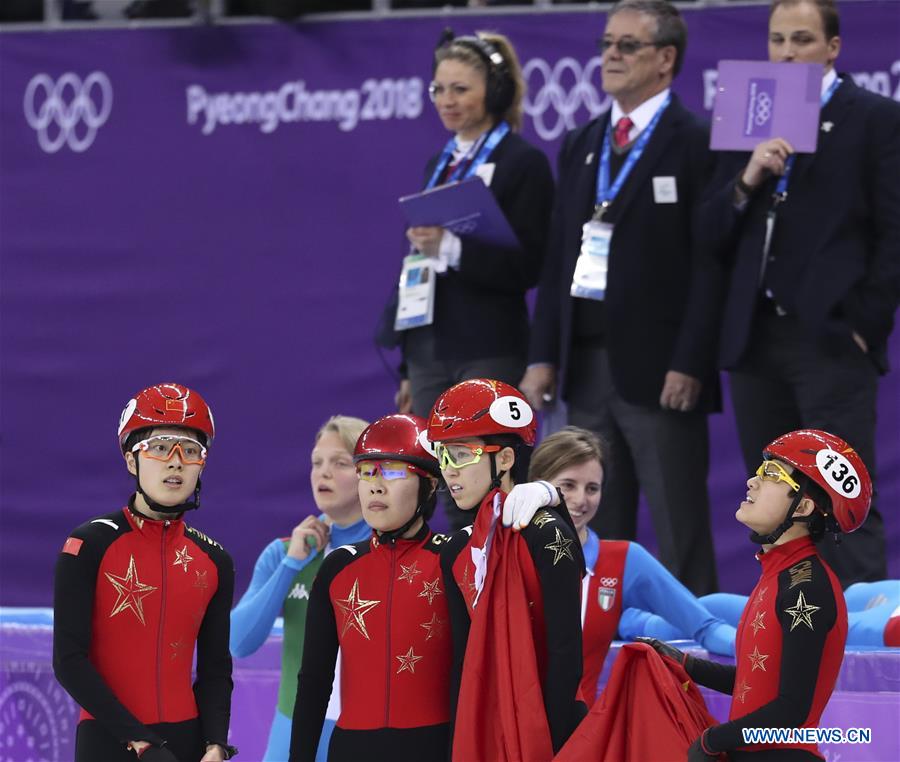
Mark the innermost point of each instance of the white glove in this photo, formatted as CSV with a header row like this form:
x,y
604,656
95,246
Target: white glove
x,y
525,500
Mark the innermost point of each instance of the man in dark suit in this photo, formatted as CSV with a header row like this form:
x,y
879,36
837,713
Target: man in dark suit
x,y
635,358
813,247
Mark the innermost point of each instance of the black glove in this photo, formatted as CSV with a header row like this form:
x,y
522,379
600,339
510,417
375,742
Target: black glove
x,y
664,649
229,751
157,754
697,753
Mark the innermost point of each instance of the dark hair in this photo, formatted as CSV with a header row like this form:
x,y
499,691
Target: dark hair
x,y
519,471
139,435
831,20
822,520
504,84
670,26
427,496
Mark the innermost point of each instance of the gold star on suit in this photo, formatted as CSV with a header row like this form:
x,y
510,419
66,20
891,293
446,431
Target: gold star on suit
x,y
182,558
757,659
542,517
355,610
131,592
801,612
408,661
758,624
433,627
741,691
408,573
761,594
431,589
560,548
469,584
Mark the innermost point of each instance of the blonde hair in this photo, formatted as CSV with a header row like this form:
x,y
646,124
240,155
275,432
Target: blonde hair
x,y
570,446
346,427
465,54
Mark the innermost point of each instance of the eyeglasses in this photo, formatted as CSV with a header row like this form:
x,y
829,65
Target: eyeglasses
x,y
626,46
389,470
435,90
772,471
460,455
163,446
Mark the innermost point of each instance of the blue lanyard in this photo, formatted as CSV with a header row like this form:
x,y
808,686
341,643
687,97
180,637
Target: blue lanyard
x,y
605,195
591,550
781,188
481,151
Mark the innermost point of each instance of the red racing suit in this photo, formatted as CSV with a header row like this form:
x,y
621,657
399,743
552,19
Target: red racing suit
x,y
385,607
789,649
531,582
132,599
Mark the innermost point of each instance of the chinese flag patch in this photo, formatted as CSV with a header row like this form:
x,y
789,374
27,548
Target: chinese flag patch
x,y
72,546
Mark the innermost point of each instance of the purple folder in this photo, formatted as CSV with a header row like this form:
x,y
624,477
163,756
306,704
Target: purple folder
x,y
758,100
466,208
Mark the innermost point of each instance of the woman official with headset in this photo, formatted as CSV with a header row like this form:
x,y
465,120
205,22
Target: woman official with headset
x,y
480,326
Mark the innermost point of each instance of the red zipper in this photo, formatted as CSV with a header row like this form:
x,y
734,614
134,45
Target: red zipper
x,y
387,640
162,617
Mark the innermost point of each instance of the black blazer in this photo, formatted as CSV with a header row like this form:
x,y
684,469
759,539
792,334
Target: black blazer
x,y
480,309
836,241
662,299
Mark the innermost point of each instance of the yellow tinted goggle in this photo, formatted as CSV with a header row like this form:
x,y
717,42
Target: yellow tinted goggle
x,y
163,447
772,471
460,455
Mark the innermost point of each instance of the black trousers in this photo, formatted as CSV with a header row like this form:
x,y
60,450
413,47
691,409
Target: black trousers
x,y
94,743
662,453
430,376
425,744
789,379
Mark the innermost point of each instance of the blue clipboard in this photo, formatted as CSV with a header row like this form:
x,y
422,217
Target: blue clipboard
x,y
467,208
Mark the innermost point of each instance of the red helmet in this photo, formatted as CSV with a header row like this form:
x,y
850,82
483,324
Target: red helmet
x,y
166,405
832,464
479,408
397,437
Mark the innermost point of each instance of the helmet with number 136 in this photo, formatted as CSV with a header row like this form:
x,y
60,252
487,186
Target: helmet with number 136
x,y
835,466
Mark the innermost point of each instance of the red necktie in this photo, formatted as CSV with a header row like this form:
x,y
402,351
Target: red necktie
x,y
620,135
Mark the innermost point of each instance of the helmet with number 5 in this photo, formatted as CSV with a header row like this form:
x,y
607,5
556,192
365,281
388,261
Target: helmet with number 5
x,y
481,407
832,464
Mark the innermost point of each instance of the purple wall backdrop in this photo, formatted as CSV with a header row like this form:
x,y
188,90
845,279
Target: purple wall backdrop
x,y
177,223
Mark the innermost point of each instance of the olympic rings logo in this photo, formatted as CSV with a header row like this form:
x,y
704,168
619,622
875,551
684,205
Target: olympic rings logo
x,y
609,581
464,228
763,109
56,109
563,90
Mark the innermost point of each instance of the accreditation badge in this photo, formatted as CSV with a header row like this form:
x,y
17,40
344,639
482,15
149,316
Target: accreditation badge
x,y
589,281
415,305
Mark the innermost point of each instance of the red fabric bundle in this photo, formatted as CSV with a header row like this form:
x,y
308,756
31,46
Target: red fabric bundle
x,y
500,715
650,710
